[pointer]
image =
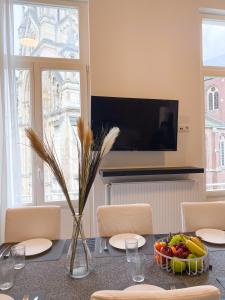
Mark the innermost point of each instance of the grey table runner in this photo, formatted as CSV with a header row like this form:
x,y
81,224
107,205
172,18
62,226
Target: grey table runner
x,y
49,279
90,242
110,273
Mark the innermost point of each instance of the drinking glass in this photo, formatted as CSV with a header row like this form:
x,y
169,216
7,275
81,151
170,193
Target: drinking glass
x,y
131,246
18,255
137,267
6,273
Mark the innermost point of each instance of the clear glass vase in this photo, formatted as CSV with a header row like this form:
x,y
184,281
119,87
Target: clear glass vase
x,y
79,262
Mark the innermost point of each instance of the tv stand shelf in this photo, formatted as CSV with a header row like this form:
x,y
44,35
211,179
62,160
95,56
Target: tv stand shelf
x,y
149,171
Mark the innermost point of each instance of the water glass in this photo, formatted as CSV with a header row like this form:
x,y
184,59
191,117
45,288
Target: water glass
x,y
18,254
6,273
131,248
137,267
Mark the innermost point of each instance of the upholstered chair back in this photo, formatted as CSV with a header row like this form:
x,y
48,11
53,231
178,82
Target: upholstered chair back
x,y
130,218
197,215
206,292
32,222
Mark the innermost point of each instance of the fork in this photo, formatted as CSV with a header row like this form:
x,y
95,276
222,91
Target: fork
x,y
4,250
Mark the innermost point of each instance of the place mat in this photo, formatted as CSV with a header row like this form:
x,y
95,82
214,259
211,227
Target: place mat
x,y
54,253
148,248
214,247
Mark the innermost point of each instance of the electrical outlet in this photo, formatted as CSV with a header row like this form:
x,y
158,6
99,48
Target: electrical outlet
x,y
181,128
184,128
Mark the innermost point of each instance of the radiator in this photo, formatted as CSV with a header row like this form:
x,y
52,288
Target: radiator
x,y
165,198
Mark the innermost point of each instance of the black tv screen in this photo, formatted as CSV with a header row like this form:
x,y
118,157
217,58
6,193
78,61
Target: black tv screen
x,y
145,124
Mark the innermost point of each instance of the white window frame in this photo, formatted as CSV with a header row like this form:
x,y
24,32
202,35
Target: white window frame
x,y
38,64
211,71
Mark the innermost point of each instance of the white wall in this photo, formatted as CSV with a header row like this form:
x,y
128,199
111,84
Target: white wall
x,y
151,49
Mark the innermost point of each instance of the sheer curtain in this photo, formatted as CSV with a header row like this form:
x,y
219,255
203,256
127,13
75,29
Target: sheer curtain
x,y
9,142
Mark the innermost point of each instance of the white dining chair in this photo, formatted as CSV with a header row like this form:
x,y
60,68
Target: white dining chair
x,y
32,222
203,292
129,218
197,215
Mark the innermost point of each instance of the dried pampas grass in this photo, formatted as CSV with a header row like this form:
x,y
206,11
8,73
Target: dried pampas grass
x,y
89,159
45,152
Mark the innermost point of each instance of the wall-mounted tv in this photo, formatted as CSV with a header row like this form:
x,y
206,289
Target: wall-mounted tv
x,y
145,124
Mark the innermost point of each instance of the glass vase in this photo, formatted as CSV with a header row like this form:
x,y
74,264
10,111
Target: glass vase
x,y
79,262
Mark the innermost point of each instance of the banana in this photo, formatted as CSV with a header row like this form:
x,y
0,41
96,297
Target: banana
x,y
197,241
194,248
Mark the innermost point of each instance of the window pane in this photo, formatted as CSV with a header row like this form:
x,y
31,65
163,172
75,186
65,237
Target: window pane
x,y
215,132
46,31
216,100
213,35
222,153
24,119
61,108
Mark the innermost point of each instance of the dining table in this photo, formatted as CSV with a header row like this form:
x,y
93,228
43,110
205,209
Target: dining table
x,y
44,276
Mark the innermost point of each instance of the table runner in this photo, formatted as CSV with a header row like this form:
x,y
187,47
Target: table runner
x,y
110,273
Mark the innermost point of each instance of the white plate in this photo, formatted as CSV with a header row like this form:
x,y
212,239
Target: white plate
x,y
214,236
36,246
5,297
118,241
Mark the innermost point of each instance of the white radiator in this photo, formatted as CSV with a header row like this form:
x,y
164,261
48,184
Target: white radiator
x,y
165,198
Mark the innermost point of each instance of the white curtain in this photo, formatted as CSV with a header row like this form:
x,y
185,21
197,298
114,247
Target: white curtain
x,y
9,142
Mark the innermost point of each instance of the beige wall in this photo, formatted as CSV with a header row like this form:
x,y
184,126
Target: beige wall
x,y
151,49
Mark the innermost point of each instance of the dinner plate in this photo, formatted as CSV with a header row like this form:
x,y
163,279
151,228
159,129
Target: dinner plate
x,y
144,287
5,297
118,241
214,236
36,246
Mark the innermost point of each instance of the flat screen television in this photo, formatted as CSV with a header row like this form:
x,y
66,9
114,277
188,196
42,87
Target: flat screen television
x,y
145,124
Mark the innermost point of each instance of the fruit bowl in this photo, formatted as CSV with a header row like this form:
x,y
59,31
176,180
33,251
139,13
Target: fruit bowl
x,y
191,265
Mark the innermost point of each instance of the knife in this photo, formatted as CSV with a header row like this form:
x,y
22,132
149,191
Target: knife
x,y
105,246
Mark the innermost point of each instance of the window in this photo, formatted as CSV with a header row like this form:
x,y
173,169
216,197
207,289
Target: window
x,y
213,98
213,31
50,48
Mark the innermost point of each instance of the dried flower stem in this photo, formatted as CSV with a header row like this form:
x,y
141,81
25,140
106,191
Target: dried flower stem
x,y
89,160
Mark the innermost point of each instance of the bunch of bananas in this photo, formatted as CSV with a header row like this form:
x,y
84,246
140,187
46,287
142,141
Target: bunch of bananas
x,y
194,245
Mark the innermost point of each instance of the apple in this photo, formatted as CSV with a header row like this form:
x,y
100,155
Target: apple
x,y
194,264
177,266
